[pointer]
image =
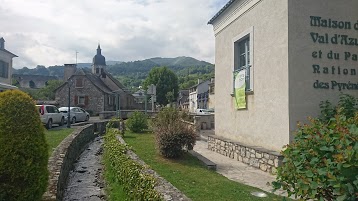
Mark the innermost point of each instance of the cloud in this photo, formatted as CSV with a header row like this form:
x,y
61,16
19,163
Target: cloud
x,y
47,33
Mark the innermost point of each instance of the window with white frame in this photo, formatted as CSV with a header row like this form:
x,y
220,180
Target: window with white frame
x,y
243,46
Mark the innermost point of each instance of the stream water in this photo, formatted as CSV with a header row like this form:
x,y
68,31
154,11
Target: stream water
x,y
85,181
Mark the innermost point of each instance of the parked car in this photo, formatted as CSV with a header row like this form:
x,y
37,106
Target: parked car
x,y
76,114
50,115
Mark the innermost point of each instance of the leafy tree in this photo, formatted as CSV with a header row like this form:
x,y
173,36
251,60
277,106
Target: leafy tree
x,y
48,91
165,81
170,97
137,122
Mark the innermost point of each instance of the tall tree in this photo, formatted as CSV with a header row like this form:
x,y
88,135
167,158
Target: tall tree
x,y
165,80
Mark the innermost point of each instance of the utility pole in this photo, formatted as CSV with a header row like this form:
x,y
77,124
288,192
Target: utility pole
x,y
76,57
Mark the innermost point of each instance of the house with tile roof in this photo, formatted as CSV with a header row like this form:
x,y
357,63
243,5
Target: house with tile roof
x,y
5,67
94,90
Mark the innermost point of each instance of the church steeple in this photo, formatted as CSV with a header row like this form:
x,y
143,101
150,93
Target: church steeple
x,y
99,62
99,49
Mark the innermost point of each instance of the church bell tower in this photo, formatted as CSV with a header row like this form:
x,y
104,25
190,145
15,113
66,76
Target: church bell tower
x,y
99,62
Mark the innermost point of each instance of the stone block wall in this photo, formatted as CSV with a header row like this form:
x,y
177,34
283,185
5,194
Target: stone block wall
x,y
64,156
205,121
258,157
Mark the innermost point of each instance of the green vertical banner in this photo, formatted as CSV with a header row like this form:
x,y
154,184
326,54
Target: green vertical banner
x,y
239,89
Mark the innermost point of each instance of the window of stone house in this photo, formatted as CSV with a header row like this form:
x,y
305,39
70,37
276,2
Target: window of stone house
x,y
81,100
243,57
110,100
79,82
4,69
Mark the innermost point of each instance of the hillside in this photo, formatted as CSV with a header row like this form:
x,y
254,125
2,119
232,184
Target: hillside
x,y
132,73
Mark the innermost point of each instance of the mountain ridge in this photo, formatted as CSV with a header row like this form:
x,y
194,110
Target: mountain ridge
x,y
120,68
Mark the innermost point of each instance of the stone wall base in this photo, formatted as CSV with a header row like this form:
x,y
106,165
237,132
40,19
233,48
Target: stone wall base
x,y
257,157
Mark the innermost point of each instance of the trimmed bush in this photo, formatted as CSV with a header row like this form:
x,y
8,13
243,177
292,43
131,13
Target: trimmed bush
x,y
172,135
322,163
23,149
137,122
137,184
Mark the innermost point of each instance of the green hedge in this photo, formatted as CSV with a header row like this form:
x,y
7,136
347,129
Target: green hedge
x,y
136,184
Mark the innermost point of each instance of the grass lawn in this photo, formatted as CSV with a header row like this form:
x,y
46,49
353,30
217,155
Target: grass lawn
x,y
55,137
189,175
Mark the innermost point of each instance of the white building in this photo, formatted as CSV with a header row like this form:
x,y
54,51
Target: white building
x,y
295,54
5,67
198,96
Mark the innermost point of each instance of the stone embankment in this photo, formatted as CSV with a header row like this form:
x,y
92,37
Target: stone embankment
x,y
65,156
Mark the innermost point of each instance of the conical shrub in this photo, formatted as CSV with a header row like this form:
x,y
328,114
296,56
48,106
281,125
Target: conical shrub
x,y
23,149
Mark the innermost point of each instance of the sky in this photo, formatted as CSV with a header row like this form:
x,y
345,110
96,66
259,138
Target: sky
x,y
50,32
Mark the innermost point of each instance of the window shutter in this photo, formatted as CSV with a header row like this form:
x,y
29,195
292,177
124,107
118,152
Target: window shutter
x,y
86,100
75,100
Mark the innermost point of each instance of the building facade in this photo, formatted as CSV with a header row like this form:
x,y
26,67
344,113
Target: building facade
x,y
211,103
183,100
94,90
198,96
5,67
294,54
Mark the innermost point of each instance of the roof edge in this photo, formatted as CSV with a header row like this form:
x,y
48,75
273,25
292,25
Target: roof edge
x,y
227,5
7,51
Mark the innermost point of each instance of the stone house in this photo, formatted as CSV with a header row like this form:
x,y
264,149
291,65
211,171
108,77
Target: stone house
x,y
94,90
199,96
292,55
5,67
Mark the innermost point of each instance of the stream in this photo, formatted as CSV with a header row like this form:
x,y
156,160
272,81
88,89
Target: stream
x,y
85,181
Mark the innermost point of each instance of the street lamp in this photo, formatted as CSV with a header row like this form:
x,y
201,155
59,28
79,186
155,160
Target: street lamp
x,y
118,102
69,84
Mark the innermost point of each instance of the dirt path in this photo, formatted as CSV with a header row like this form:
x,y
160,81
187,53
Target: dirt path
x,y
85,181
